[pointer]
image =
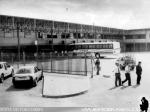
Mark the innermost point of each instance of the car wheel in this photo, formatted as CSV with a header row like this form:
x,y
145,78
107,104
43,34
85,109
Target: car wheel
x,y
35,83
2,78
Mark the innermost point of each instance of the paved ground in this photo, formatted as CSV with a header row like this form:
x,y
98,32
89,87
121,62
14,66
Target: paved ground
x,y
101,94
60,85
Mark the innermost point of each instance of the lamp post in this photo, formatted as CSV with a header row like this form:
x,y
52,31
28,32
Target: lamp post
x,y
18,44
36,44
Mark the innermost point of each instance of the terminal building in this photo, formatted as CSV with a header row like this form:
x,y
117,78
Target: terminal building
x,y
48,35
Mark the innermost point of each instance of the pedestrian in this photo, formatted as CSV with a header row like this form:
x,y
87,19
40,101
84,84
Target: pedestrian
x,y
117,75
138,72
144,106
127,75
97,63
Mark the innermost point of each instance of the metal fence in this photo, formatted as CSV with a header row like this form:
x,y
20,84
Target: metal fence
x,y
64,63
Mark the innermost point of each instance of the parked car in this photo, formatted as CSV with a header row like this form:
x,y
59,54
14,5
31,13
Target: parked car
x,y
27,75
123,61
5,71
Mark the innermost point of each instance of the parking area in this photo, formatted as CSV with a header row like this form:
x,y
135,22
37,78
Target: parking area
x,y
11,96
102,92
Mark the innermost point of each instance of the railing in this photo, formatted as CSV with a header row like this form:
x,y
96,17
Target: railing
x,y
63,63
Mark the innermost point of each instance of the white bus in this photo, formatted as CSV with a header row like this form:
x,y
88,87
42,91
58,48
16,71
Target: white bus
x,y
105,49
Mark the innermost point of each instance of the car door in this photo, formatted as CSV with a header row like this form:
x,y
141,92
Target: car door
x,y
8,69
6,72
38,72
2,69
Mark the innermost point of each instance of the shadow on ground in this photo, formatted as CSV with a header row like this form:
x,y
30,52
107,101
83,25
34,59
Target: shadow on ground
x,y
124,87
66,96
18,88
135,86
113,88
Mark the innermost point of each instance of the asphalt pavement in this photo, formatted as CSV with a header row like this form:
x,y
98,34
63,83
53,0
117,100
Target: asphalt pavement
x,y
102,92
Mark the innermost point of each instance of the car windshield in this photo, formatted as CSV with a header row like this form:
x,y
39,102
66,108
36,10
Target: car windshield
x,y
24,71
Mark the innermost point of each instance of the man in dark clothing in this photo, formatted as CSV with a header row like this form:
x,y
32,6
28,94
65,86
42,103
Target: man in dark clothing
x,y
117,75
97,63
138,72
144,106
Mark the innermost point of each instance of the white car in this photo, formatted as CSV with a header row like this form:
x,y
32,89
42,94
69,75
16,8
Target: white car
x,y
27,75
5,71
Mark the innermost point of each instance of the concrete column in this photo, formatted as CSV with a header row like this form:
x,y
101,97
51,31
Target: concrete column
x,y
124,38
146,49
134,45
124,44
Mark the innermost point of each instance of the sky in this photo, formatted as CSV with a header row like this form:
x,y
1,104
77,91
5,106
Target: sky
x,y
123,14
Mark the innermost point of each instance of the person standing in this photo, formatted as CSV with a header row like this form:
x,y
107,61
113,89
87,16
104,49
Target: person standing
x,y
138,72
127,75
97,63
117,75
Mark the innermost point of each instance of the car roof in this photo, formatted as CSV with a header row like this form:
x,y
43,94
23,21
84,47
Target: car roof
x,y
2,62
28,67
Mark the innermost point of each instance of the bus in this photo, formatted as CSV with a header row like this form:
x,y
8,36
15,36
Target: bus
x,y
105,49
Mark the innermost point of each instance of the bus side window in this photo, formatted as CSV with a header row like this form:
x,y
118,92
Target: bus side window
x,y
106,46
103,46
93,46
85,46
100,46
109,46
97,46
90,46
79,46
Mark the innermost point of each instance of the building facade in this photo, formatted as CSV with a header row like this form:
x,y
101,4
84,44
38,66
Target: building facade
x,y
28,33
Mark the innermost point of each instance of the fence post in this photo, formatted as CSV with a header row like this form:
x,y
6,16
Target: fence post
x,y
68,63
51,61
92,66
24,58
12,60
43,55
1,56
85,64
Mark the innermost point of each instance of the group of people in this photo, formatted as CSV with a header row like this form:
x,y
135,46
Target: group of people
x,y
118,82
127,74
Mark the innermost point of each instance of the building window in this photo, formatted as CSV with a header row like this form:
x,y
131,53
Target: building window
x,y
137,36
